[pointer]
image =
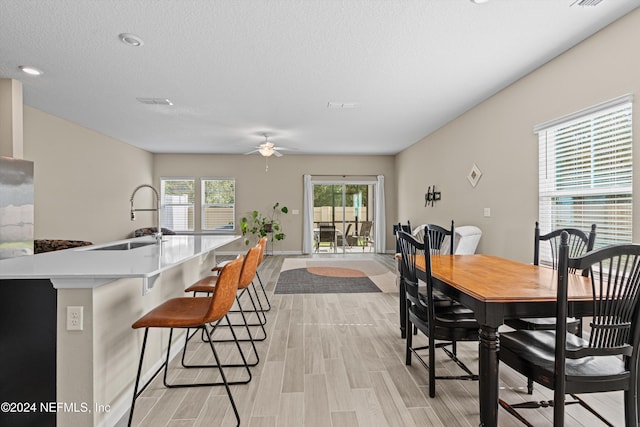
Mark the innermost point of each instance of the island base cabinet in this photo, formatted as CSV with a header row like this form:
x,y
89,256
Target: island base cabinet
x,y
28,353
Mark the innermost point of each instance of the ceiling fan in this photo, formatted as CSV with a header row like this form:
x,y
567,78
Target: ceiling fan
x,y
266,150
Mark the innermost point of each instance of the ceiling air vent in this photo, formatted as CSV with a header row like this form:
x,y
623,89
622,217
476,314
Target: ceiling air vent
x,y
586,2
155,101
341,105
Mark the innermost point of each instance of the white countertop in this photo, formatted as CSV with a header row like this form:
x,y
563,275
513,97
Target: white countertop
x,y
87,267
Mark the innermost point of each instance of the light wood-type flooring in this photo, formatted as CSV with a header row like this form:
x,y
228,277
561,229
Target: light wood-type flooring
x,y
337,360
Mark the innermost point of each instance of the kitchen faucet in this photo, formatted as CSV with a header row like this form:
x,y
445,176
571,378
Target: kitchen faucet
x,y
158,234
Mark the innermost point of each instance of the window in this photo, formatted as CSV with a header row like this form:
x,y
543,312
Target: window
x,y
218,204
585,174
177,199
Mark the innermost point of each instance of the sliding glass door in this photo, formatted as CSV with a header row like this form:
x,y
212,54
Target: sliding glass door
x,y
343,217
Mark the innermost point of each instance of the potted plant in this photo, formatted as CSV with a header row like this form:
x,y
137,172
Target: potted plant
x,y
261,225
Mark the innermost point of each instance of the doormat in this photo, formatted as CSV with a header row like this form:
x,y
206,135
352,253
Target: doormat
x,y
311,276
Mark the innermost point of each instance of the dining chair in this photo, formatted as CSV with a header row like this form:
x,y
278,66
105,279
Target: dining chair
x,y
399,279
604,361
447,324
440,242
579,244
188,313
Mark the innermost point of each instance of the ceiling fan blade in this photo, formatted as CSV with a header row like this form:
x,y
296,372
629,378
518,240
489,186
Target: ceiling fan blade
x,y
277,154
251,152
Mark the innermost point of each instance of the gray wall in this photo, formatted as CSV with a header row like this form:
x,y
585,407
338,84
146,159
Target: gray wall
x,y
83,180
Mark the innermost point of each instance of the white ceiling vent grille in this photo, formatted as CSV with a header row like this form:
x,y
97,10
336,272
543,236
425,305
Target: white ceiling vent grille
x,y
341,105
586,2
155,101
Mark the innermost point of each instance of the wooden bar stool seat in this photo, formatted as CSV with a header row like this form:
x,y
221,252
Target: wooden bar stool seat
x,y
187,313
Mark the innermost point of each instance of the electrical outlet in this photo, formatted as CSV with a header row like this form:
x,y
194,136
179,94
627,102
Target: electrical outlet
x,y
75,318
487,212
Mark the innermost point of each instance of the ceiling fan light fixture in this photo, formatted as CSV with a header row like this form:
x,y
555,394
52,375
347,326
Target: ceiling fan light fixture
x,y
265,151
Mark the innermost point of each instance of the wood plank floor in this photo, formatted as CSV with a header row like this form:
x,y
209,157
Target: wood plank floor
x,y
334,360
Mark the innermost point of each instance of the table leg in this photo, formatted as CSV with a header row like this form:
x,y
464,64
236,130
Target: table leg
x,y
488,372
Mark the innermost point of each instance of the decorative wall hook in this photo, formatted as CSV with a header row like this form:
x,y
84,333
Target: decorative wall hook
x,y
431,196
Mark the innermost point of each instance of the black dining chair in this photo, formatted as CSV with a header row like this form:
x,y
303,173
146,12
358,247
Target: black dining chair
x,y
447,324
579,244
441,241
607,359
403,301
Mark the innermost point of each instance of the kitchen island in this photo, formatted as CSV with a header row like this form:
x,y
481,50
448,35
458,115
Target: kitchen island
x,y
69,353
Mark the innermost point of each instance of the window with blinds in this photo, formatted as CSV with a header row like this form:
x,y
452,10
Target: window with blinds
x,y
177,197
218,204
585,174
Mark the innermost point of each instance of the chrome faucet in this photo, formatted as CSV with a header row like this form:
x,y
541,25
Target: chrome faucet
x,y
158,234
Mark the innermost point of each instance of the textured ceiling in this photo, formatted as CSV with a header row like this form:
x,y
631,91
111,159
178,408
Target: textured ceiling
x,y
238,69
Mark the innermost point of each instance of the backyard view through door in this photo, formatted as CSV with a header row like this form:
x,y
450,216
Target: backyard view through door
x,y
343,218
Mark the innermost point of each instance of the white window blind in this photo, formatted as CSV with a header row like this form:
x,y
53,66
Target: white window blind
x,y
218,204
177,197
585,172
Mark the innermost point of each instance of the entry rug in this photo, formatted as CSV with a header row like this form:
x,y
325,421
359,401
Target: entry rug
x,y
314,276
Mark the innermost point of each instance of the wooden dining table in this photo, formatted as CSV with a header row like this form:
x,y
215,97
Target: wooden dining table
x,y
497,289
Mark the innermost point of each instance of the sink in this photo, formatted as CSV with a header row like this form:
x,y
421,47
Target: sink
x,y
124,246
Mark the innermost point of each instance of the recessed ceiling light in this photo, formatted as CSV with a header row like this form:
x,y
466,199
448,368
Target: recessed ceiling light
x,y
131,39
479,1
30,70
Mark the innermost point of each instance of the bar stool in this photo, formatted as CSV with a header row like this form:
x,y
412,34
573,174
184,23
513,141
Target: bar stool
x,y
188,313
263,245
209,284
257,310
